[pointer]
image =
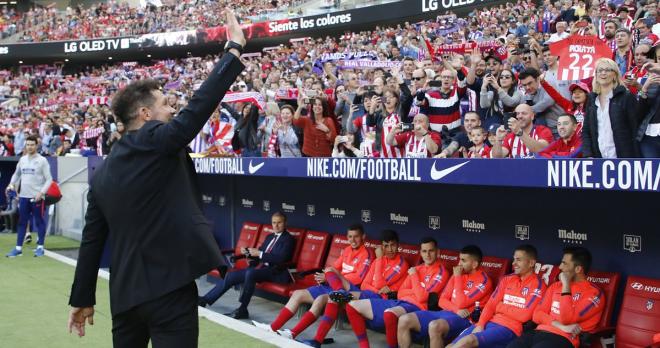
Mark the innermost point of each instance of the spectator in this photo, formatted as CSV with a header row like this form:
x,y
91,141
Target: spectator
x,y
265,129
461,141
479,149
346,145
115,135
576,106
608,33
318,128
543,106
345,99
524,139
499,97
569,143
561,33
637,74
288,136
441,102
649,131
384,121
246,131
623,56
419,142
32,178
610,124
268,262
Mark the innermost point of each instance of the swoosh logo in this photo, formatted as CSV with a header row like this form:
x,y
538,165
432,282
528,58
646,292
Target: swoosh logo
x,y
254,169
439,174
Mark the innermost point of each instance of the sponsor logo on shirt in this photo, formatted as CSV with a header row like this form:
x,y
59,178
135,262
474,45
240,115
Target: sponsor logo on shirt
x,y
515,301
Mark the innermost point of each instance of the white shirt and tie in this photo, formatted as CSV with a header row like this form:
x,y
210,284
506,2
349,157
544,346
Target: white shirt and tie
x,y
271,245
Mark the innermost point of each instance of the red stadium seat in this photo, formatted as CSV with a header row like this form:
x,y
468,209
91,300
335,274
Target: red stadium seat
x,y
548,272
246,239
372,244
311,256
299,235
411,254
495,267
639,318
449,258
609,283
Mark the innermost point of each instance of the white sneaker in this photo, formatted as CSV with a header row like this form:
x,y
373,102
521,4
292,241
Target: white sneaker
x,y
262,326
285,333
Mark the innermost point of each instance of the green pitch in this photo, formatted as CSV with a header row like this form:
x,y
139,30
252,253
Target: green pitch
x,y
34,295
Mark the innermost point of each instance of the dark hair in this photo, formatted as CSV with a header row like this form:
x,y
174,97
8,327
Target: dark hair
x,y
573,119
288,107
356,227
623,30
280,214
611,20
429,240
389,236
32,138
474,252
128,100
528,249
580,257
528,72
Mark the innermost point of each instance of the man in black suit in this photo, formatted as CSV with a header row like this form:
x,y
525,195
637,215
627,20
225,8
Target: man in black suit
x,y
145,202
269,264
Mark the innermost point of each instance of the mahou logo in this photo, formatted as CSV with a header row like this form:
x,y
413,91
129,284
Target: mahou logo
x,y
288,208
473,226
398,219
247,203
337,213
572,236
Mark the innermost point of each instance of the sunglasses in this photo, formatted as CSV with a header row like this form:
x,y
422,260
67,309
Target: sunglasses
x,y
416,78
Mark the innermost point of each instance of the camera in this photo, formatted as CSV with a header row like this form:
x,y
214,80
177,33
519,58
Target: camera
x,y
488,72
370,88
507,116
342,138
406,127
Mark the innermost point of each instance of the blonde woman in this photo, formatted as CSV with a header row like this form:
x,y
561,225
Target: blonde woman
x,y
266,127
611,121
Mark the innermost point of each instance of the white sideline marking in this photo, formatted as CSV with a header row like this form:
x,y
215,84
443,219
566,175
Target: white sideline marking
x,y
217,318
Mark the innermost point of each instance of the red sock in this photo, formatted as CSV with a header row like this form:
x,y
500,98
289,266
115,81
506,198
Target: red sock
x,y
307,319
282,318
333,280
391,321
358,325
329,317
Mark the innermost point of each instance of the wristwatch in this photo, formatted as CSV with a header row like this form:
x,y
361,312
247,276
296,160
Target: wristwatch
x,y
231,44
520,133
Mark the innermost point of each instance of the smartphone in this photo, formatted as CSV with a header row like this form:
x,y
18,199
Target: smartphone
x,y
435,83
488,72
406,127
370,88
507,116
342,139
524,42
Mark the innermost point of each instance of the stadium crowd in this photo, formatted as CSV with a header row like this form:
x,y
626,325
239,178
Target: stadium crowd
x,y
415,90
112,19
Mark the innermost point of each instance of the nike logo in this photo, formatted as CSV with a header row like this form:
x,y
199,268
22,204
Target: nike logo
x,y
253,169
439,174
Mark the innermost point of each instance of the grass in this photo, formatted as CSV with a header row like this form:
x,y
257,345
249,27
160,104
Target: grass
x,y
34,294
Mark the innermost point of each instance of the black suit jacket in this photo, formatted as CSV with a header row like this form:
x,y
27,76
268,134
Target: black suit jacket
x,y
145,202
277,258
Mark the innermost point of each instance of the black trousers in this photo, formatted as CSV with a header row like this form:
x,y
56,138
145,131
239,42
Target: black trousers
x,y
249,277
169,321
540,339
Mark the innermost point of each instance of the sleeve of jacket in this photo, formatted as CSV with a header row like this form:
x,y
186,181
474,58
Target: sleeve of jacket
x,y
277,255
405,102
632,118
94,236
182,129
587,149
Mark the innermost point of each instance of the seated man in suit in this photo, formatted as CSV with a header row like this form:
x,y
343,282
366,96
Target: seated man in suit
x,y
270,257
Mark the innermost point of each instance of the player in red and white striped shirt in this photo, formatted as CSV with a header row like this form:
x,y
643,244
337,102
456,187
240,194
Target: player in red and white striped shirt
x,y
525,137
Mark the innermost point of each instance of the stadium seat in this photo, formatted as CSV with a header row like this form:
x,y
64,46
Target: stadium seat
x,y
496,267
548,272
246,239
609,283
411,254
639,318
449,258
311,256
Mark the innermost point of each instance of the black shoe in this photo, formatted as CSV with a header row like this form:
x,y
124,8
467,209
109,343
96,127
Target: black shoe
x,y
201,301
222,270
239,313
341,296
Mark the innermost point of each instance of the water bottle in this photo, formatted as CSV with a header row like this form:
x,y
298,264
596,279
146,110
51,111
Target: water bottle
x,y
476,313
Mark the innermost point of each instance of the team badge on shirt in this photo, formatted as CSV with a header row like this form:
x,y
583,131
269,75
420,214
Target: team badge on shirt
x,y
576,297
469,284
649,304
524,291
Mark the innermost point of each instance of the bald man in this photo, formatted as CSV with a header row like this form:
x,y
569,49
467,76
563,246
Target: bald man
x,y
420,142
524,138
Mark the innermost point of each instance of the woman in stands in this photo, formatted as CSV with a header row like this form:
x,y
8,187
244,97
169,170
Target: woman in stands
x,y
500,95
246,131
610,123
319,130
346,145
286,137
265,129
575,106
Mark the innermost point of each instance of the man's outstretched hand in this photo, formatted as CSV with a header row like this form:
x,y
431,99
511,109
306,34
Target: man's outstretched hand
x,y
234,31
77,318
